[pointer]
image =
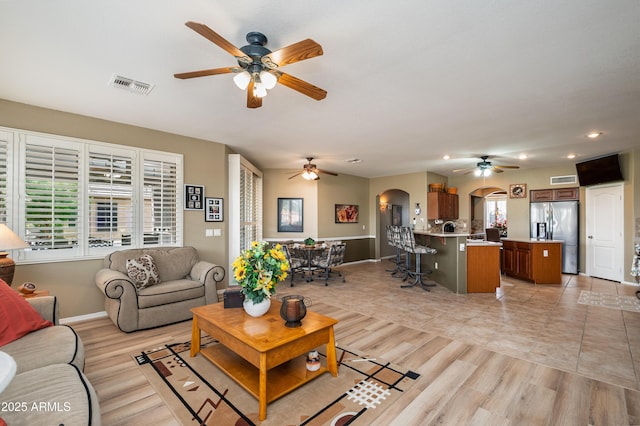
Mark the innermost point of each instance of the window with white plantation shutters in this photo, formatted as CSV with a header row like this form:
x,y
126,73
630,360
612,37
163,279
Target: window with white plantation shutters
x,y
83,198
4,194
250,207
160,200
111,199
51,196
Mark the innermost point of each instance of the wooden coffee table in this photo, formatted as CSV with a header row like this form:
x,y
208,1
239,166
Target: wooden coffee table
x,y
262,355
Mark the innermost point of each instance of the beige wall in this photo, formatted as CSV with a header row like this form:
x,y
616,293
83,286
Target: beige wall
x,y
343,189
319,197
204,164
276,184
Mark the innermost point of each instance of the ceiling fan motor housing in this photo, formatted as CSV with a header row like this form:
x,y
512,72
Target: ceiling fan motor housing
x,y
255,50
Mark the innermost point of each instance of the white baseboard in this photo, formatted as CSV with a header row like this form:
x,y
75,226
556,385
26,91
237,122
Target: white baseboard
x,y
95,315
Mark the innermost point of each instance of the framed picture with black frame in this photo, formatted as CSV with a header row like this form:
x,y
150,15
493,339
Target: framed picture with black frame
x,y
290,215
213,209
193,197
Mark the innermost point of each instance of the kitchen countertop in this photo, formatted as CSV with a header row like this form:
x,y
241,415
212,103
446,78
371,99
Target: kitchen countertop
x,y
531,240
483,243
445,234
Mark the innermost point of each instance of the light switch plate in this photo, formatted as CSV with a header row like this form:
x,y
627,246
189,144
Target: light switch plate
x,y
461,246
208,232
217,232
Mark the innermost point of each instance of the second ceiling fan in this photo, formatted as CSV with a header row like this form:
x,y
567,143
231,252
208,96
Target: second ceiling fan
x,y
258,68
484,167
311,171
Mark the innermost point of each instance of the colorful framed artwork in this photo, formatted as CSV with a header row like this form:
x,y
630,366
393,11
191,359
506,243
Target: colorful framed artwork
x,y
213,209
346,213
194,197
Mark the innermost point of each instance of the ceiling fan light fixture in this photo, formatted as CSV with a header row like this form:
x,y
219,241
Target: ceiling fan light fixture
x,y
310,175
268,80
242,80
259,90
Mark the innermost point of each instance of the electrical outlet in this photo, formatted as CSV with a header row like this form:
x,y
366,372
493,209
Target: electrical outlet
x,y
545,253
208,232
461,246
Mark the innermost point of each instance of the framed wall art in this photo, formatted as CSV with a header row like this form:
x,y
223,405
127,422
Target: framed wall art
x,y
290,215
396,215
518,190
346,213
213,209
194,197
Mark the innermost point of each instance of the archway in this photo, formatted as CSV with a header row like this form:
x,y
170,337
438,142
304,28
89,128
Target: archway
x,y
478,202
393,209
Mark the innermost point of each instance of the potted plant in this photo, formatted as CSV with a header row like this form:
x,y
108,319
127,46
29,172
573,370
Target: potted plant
x,y
258,270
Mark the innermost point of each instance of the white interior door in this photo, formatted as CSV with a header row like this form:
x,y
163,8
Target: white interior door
x,y
604,232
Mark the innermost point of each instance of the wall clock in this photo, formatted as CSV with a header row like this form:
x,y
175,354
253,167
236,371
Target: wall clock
x,y
518,190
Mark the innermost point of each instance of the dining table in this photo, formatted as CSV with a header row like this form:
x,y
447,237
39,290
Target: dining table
x,y
309,251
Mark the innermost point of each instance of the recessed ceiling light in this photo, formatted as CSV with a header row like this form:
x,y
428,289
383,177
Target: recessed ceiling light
x,y
354,160
523,156
445,157
571,156
594,135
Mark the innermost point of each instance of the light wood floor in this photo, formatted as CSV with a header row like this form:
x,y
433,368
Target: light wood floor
x,y
534,356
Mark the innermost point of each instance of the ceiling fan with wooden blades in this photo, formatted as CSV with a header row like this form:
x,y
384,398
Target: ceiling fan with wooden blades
x,y
485,168
311,171
258,68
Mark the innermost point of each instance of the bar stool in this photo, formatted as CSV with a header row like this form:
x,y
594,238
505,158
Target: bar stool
x,y
394,240
409,244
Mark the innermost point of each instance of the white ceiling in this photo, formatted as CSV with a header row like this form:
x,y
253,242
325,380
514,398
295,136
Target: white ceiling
x,y
408,81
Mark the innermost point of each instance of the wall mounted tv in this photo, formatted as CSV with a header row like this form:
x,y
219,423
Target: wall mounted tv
x,y
599,170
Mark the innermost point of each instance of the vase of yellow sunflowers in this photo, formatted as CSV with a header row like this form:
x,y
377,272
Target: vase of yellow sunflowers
x,y
258,270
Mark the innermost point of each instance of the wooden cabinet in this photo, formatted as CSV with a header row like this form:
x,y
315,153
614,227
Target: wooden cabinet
x,y
539,262
442,205
516,260
566,194
562,194
483,268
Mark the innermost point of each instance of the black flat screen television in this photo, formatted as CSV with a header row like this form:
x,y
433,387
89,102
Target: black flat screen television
x,y
599,170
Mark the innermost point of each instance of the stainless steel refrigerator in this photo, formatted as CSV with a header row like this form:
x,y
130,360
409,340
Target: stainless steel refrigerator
x,y
558,220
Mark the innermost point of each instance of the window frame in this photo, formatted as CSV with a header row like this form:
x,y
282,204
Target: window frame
x,y
16,141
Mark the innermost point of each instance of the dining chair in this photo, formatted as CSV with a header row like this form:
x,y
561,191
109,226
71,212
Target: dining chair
x,y
333,259
296,264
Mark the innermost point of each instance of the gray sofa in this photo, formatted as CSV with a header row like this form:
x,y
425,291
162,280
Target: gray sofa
x,y
186,282
49,384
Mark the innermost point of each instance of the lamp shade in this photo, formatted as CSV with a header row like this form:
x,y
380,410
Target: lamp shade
x,y
269,80
242,80
9,240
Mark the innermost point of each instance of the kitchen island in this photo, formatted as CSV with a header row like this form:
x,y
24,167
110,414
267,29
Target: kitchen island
x,y
449,265
537,261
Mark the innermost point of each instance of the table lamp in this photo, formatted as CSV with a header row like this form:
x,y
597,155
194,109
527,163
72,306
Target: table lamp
x,y
8,241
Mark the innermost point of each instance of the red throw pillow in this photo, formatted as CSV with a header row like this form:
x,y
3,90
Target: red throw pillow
x,y
17,316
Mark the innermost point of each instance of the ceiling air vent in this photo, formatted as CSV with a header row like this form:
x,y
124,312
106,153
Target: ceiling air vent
x,y
562,180
130,84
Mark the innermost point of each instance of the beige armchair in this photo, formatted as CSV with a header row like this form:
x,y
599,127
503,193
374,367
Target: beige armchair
x,y
185,282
